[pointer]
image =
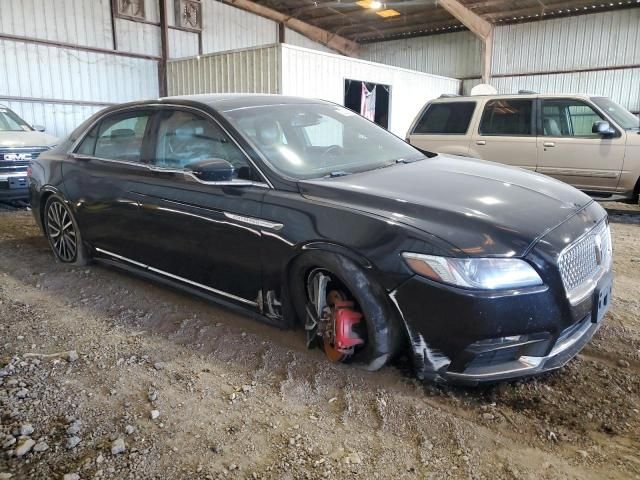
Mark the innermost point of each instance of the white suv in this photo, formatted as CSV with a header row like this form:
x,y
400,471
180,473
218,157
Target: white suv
x,y
19,144
589,142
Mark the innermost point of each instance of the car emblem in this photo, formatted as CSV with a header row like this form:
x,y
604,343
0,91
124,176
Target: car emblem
x,y
598,249
17,157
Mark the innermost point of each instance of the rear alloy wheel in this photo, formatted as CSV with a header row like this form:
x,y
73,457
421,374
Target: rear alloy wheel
x,y
63,233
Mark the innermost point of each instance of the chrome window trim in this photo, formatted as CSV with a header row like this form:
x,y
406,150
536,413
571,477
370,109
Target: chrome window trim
x,y
134,108
177,277
186,173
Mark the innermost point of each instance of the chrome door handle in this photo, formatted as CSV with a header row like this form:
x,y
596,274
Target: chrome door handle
x,y
480,142
549,144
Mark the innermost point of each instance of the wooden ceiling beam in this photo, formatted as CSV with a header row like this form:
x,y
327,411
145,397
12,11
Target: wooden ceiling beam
x,y
317,34
471,20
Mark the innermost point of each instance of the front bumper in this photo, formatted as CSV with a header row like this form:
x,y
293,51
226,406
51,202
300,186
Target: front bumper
x,y
14,186
471,337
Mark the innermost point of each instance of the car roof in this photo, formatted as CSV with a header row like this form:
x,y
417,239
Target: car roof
x,y
463,98
231,101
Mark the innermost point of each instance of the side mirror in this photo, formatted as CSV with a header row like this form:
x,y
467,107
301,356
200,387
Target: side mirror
x,y
603,128
39,128
212,170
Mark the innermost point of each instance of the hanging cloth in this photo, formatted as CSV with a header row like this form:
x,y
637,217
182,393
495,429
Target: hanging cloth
x,y
368,103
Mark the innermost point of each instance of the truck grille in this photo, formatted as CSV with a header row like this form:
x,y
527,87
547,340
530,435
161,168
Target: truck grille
x,y
18,159
585,258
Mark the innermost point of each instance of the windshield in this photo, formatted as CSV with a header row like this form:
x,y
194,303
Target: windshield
x,y
306,141
620,115
10,122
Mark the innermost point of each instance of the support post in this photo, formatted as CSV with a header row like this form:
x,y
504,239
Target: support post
x,y
164,42
479,26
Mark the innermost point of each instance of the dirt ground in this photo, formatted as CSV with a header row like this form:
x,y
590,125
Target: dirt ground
x,y
238,399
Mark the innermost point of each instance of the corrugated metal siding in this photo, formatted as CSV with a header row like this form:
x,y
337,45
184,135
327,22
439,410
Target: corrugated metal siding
x,y
58,119
294,38
467,85
602,40
310,73
244,71
451,54
80,22
623,86
138,37
152,10
67,74
229,28
182,44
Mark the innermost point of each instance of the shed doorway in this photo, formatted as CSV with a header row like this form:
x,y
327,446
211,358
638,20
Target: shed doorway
x,y
369,99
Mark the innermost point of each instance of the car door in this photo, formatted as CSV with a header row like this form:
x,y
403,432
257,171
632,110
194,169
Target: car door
x,y
506,133
100,179
569,151
443,127
206,234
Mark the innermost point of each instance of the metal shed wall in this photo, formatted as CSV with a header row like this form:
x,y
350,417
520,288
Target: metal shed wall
x,y
310,73
600,40
294,38
254,70
229,28
58,64
63,82
597,53
456,54
594,53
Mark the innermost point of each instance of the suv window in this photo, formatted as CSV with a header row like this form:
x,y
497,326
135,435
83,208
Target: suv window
x,y
568,118
184,138
446,118
507,117
118,137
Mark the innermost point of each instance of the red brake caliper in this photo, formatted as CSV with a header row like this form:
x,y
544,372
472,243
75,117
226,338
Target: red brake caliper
x,y
345,318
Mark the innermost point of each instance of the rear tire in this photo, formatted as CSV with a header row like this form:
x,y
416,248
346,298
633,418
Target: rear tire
x,y
383,332
61,229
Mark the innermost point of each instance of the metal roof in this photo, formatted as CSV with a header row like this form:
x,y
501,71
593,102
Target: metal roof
x,y
359,21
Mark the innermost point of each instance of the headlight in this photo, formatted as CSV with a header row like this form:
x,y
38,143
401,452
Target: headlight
x,y
477,273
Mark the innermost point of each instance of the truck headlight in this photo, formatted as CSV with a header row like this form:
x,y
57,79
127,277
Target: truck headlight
x,y
476,273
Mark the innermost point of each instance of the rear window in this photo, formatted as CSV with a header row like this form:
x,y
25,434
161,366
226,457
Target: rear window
x,y
446,118
507,117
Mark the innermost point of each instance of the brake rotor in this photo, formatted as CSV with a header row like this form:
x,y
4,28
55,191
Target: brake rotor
x,y
338,338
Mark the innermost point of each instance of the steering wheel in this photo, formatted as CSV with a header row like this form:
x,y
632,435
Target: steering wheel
x,y
332,149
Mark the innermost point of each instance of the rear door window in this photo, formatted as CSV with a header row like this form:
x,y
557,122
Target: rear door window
x,y
446,118
120,137
508,117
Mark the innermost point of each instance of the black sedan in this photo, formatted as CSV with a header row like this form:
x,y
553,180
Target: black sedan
x,y
306,214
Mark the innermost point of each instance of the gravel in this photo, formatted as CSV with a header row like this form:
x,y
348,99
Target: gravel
x,y
262,406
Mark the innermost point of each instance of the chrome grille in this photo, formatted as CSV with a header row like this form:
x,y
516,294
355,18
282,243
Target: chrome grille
x,y
16,163
585,258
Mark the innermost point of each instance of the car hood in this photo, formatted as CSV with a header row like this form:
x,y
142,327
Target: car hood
x,y
479,208
26,139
